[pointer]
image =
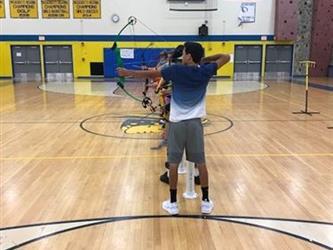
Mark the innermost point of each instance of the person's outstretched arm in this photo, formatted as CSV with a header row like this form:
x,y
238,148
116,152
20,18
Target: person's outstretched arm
x,y
150,73
219,59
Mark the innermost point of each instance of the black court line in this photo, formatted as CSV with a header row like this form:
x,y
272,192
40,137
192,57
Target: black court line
x,y
53,122
231,124
39,122
278,231
227,219
112,121
210,120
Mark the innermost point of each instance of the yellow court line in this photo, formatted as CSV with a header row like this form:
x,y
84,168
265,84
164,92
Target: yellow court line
x,y
163,156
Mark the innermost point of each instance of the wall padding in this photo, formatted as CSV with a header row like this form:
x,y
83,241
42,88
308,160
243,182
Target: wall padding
x,y
322,36
286,20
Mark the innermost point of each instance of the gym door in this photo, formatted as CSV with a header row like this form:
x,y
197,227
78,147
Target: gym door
x,y
26,62
248,62
58,62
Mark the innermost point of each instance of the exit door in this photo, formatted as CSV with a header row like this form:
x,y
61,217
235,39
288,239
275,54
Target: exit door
x,y
26,62
58,62
248,62
279,59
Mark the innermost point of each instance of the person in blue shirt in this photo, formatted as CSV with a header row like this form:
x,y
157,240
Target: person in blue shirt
x,y
189,84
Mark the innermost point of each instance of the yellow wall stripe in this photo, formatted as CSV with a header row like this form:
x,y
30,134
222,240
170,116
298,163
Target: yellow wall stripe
x,y
86,52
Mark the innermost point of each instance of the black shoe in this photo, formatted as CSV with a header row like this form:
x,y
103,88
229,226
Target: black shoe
x,y
166,164
197,180
165,178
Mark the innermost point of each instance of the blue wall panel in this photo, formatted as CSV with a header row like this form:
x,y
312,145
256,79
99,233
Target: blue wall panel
x,y
142,57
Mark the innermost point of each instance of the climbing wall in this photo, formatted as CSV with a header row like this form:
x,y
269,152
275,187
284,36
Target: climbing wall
x,y
303,41
322,36
286,20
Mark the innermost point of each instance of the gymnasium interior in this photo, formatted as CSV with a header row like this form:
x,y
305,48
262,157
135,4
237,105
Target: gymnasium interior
x,y
82,150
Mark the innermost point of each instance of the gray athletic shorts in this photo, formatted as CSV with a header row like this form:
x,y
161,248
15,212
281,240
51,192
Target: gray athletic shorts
x,y
186,135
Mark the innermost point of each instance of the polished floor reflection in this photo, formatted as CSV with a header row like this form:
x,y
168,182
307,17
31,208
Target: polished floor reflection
x,y
63,187
107,88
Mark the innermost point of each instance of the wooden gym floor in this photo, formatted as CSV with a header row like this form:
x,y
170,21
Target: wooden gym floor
x,y
271,172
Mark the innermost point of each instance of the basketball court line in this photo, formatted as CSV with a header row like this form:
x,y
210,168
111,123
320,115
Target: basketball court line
x,y
94,157
306,230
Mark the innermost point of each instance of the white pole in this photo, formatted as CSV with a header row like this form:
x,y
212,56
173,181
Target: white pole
x,y
190,191
182,165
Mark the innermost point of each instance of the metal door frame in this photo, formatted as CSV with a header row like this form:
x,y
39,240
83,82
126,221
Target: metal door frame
x,y
250,45
25,45
292,55
57,45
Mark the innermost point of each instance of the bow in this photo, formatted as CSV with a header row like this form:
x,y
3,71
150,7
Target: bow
x,y
145,101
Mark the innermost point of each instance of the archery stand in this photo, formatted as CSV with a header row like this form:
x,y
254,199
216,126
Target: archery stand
x,y
186,167
305,111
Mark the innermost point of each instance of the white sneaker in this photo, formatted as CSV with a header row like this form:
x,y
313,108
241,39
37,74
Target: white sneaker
x,y
171,208
207,207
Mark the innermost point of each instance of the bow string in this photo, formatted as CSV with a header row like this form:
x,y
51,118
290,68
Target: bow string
x,y
145,101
